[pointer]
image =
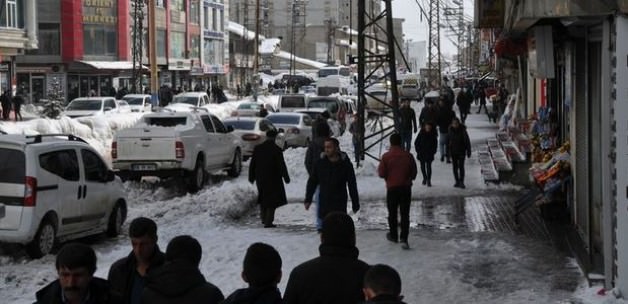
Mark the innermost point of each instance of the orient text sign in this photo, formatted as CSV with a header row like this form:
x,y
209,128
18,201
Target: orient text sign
x,y
100,12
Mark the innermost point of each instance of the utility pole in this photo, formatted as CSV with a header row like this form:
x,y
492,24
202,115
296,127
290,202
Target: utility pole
x,y
138,39
154,84
256,53
460,33
433,57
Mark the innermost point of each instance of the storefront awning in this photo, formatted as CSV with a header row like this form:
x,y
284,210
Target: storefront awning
x,y
111,65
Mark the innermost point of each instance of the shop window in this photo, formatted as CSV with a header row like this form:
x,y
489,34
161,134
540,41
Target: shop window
x,y
99,40
49,40
177,44
194,11
161,43
195,45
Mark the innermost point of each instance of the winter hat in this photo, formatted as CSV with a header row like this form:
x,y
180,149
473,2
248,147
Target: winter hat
x,y
184,247
338,230
262,265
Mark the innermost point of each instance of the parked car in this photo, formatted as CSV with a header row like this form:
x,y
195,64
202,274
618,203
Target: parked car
x,y
123,106
409,87
56,188
335,127
375,95
191,145
288,103
139,102
297,126
186,102
252,131
89,106
248,109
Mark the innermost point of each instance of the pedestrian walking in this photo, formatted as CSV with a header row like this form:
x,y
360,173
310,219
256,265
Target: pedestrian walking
x,y
459,147
382,284
6,102
262,272
312,155
429,113
127,276
426,144
333,173
268,171
445,116
482,97
320,124
356,137
398,168
464,100
18,101
337,275
407,125
179,280
76,283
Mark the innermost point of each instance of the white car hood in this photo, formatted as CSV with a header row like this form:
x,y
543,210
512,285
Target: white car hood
x,y
79,113
180,107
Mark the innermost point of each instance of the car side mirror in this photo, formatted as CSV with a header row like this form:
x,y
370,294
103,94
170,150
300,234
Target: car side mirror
x,y
229,128
110,176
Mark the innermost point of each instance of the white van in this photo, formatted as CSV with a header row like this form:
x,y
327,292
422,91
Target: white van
x,y
409,86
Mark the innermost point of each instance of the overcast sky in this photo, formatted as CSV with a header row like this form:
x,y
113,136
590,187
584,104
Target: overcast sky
x,y
415,27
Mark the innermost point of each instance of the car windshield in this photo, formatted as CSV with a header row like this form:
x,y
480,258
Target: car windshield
x,y
85,105
293,102
191,100
134,101
284,119
241,124
312,114
323,104
327,72
165,121
249,106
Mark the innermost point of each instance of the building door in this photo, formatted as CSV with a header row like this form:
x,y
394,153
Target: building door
x,y
38,88
581,142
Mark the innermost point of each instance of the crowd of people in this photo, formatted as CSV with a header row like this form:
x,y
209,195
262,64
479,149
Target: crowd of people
x,y
148,275
11,103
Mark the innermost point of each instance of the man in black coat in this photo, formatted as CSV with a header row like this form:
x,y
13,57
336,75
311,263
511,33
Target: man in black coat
x,y
6,102
333,172
312,155
179,280
127,276
459,147
382,284
262,271
76,264
267,169
445,117
337,275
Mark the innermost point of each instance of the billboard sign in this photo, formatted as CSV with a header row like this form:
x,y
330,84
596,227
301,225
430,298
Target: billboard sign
x,y
489,13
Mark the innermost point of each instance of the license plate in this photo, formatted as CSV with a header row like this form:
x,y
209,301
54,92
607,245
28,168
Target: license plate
x,y
2,211
144,167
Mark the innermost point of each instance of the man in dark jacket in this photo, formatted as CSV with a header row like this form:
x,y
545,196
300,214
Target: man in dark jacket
x,y
127,276
6,102
267,169
398,168
76,264
337,275
459,147
445,116
179,280
426,145
262,271
333,172
320,126
464,100
429,113
407,125
312,155
382,284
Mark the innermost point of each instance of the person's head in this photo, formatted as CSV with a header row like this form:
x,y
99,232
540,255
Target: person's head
x,y
441,101
272,133
262,265
76,264
381,280
325,114
331,147
395,139
455,123
338,230
322,130
427,126
143,234
184,248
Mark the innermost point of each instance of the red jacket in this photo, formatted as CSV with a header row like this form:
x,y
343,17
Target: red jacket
x,y
397,167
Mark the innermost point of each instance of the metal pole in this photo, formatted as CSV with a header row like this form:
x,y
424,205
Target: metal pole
x,y
154,85
256,53
361,70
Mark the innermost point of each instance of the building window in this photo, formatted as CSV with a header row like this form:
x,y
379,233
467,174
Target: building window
x,y
99,40
194,11
178,5
177,45
222,20
160,3
214,51
195,45
160,42
214,19
206,17
49,40
12,13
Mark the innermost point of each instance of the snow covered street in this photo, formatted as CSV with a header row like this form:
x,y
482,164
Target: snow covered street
x,y
456,256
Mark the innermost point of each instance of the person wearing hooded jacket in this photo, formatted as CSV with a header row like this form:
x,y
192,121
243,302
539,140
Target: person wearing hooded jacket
x,y
334,277
426,144
333,173
179,280
459,146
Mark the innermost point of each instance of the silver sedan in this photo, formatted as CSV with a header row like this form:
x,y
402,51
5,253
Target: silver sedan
x,y
298,127
252,131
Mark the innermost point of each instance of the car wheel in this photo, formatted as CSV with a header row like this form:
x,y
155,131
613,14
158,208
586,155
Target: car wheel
x,y
44,240
236,164
114,226
196,179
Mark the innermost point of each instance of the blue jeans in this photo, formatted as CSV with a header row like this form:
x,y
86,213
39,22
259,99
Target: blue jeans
x,y
406,139
443,140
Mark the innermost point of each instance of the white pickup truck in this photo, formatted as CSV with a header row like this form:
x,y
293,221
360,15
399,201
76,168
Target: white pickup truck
x,y
177,144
